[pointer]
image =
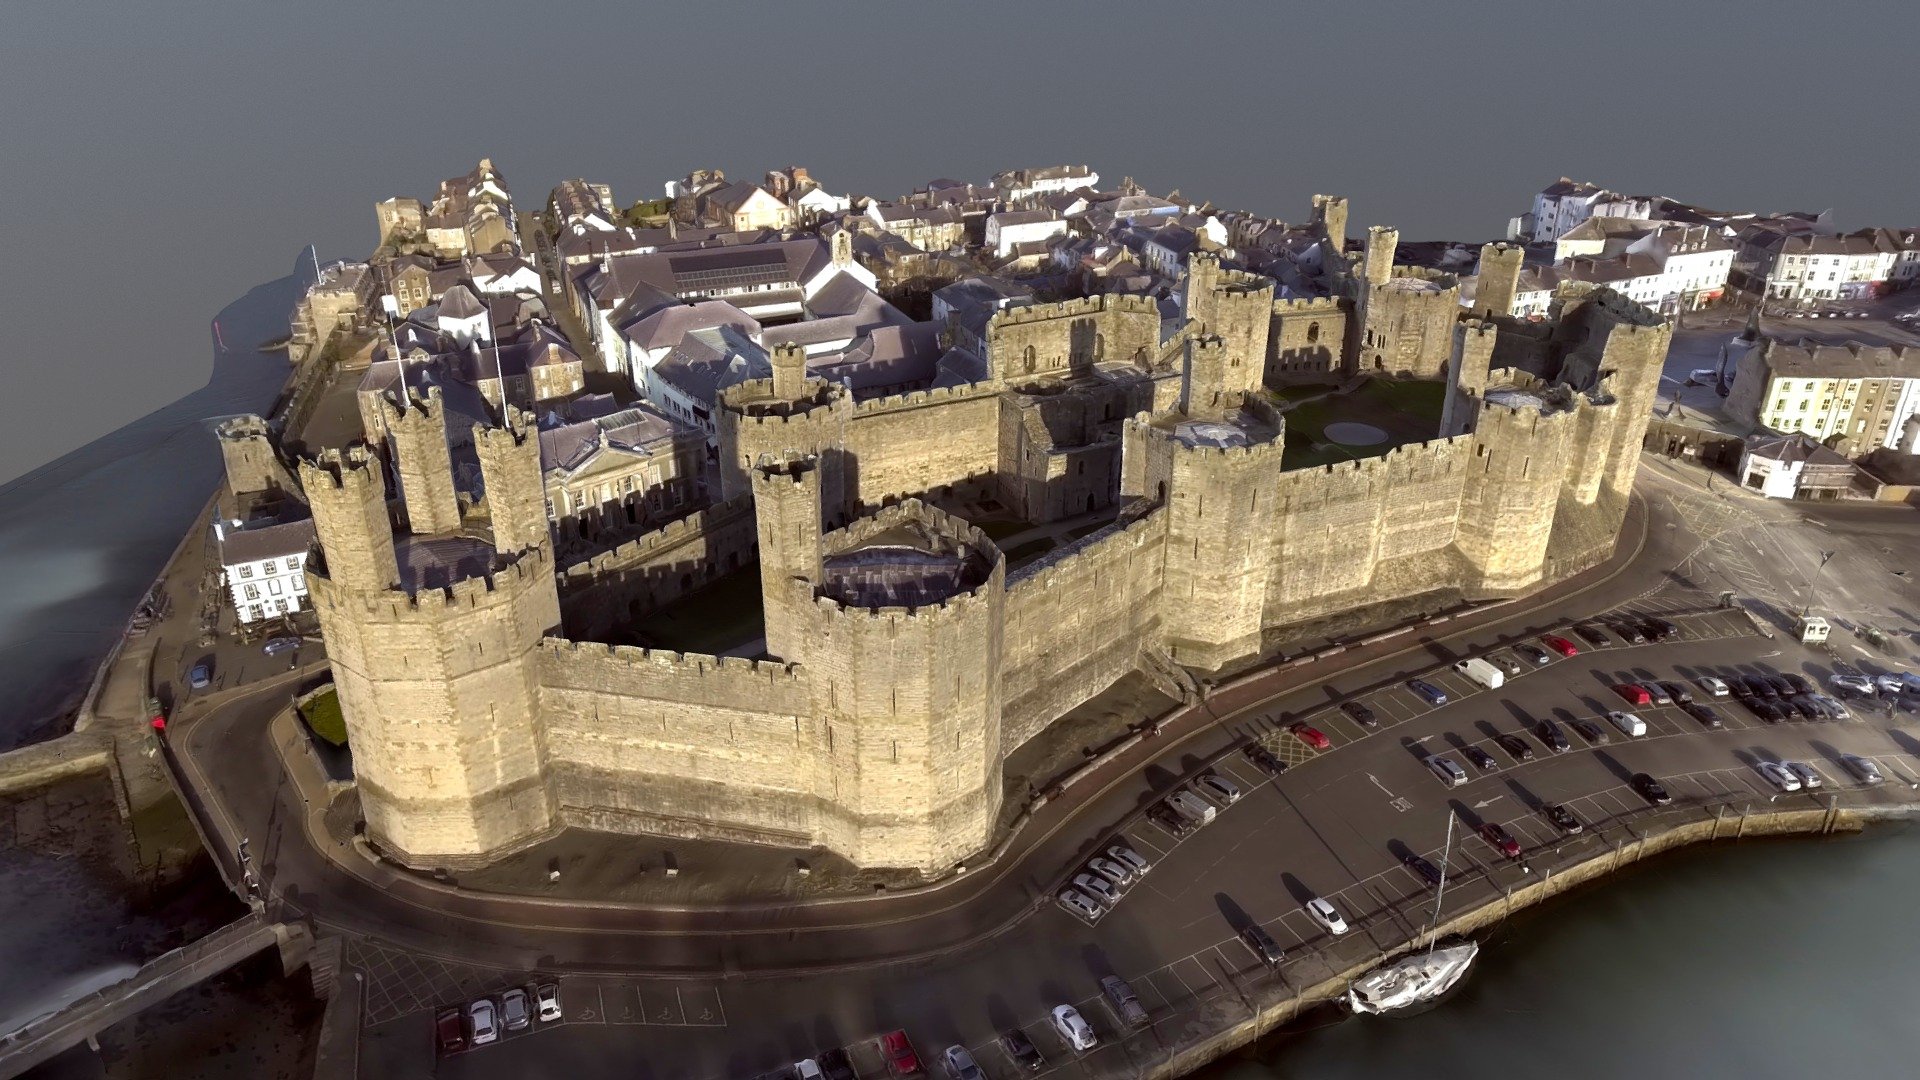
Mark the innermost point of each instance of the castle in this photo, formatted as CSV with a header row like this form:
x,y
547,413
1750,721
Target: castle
x,y
907,656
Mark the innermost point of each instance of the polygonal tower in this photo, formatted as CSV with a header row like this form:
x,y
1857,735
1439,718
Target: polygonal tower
x,y
432,642
786,505
1522,439
423,463
1236,307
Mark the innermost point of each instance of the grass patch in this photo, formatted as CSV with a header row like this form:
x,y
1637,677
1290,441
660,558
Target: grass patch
x,y
1303,391
323,718
1425,400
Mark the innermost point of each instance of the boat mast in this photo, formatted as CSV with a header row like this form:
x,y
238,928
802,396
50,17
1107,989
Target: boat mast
x,y
1440,892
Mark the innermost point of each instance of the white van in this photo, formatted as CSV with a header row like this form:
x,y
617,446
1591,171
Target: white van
x,y
1482,672
1630,725
1191,806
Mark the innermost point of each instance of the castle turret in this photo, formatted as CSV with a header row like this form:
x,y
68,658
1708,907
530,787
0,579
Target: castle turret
x,y
1522,440
789,372
1217,378
1499,278
1473,342
786,506
1382,242
1236,307
516,494
1330,213
423,464
252,464
349,498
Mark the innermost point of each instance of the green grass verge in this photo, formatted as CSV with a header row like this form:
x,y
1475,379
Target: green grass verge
x,y
322,715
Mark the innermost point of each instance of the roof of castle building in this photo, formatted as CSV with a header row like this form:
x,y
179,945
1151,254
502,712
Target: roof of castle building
x,y
638,429
265,542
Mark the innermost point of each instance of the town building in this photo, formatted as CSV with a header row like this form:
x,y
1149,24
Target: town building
x,y
1795,467
263,568
1863,394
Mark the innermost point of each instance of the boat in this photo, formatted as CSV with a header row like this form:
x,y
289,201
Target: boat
x,y
1418,978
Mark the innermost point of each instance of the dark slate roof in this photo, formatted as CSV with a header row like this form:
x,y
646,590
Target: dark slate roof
x,y
266,542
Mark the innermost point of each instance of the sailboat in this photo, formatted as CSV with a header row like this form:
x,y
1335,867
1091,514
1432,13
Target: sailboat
x,y
1418,978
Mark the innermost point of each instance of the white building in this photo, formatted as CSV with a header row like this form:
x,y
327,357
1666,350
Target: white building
x,y
1794,467
1863,393
1009,228
264,568
1566,203
1017,184
1796,267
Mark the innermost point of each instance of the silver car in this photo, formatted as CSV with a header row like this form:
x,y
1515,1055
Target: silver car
x,y
515,1010
1808,776
1448,770
1218,788
1863,769
1079,903
960,1065
1097,887
1129,858
1112,871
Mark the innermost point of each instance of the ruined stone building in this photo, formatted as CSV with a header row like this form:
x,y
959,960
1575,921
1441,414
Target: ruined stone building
x,y
906,656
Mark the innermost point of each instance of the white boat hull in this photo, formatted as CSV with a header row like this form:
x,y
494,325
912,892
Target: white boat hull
x,y
1414,980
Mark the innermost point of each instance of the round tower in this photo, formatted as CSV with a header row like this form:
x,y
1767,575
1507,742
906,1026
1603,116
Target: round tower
x,y
1523,438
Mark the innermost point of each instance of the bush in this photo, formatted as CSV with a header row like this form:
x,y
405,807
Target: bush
x,y
322,715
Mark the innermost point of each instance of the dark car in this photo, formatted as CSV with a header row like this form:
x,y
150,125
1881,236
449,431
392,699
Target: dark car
x,y
1592,732
1677,691
1501,839
1781,686
1534,655
1428,872
836,1065
1658,629
450,1031
1759,687
1428,692
1515,746
1360,713
1480,758
1650,789
1806,709
1021,1050
902,1061
1262,944
1656,693
1562,818
1163,815
1799,683
1551,735
1592,635
1707,715
1628,632
1264,759
1770,711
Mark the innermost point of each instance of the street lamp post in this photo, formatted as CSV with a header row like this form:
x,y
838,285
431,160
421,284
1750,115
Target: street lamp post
x,y
1806,604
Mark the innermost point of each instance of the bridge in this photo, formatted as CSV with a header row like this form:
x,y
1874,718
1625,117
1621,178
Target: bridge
x,y
45,1037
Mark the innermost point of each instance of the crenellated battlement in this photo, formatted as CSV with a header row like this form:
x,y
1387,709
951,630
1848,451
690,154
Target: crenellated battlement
x,y
1404,458
668,661
643,547
964,604
920,399
1135,532
863,529
1072,309
1308,305
341,468
753,402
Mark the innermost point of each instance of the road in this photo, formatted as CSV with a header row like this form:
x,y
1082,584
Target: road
x,y
697,999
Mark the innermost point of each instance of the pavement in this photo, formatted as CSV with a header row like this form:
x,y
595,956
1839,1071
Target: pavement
x,y
739,992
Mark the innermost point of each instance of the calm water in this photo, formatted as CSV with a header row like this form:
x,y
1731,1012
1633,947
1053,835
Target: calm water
x,y
1771,959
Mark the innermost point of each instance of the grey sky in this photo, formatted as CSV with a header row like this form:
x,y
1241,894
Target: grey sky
x,y
159,160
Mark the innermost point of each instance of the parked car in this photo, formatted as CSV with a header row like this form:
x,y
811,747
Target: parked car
x,y
1633,693
1626,630
1630,725
1116,874
1428,872
1169,819
837,1065
1126,856
1708,716
1562,818
1217,788
1515,746
1480,758
901,1059
1552,737
200,677
1507,664
959,1064
1534,654
1360,713
483,1025
1860,685
1712,686
1073,1028
516,1011
1650,789
1124,1002
1328,916
1262,944
1890,684
1263,759
1770,711
1312,736
1192,807
1593,636
1097,887
1656,693
1659,629
1021,1051
1863,769
1592,732
450,1031
1501,839
1799,683
808,1069
1759,687
1781,686
1809,777
278,645
1079,903
1778,775
1561,645
1676,692
1802,707
1830,706
1428,692
546,1000
1448,770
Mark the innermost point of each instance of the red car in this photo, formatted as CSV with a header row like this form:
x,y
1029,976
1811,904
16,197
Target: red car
x,y
1501,839
450,1031
1634,693
1561,645
1312,736
901,1060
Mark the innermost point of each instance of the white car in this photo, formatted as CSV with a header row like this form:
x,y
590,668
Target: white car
x,y
481,1023
1630,725
1713,687
1778,775
1448,770
1097,887
1890,684
1073,1028
808,1069
1808,776
547,1000
1114,872
1129,858
1855,684
1326,915
1830,706
1217,788
1079,903
958,1063
1863,769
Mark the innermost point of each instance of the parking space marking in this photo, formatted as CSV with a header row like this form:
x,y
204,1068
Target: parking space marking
x,y
701,1006
1150,992
622,1004
582,1010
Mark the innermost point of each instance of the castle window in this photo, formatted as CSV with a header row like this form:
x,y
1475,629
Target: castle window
x,y
1313,333
1030,357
